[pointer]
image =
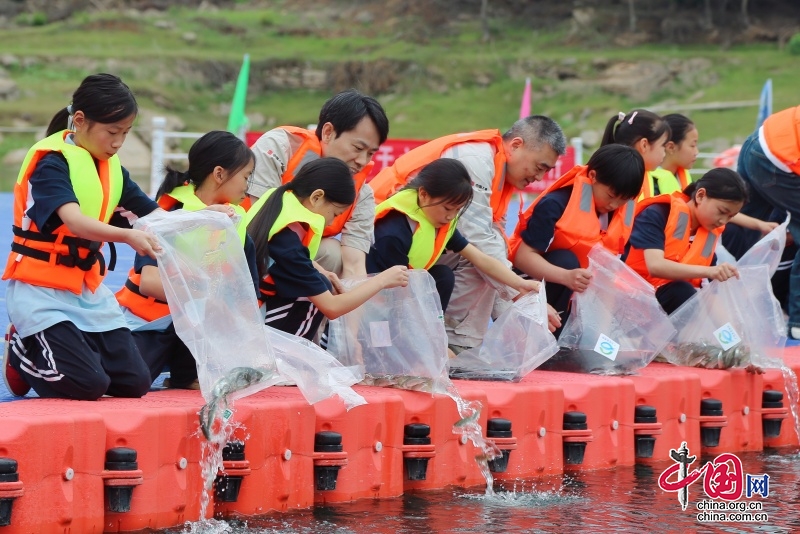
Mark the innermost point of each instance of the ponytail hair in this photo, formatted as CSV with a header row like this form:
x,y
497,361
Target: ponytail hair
x,y
634,126
102,98
331,175
679,126
446,180
720,183
620,167
214,149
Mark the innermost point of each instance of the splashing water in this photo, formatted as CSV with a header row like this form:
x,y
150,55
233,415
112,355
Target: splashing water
x,y
211,463
790,382
468,426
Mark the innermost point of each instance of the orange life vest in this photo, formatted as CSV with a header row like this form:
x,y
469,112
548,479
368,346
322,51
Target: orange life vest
x,y
60,259
393,178
578,229
782,134
310,150
677,244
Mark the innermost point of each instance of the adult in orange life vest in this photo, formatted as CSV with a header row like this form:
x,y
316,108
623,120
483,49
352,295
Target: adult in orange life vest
x,y
414,226
769,163
590,204
674,236
220,165
351,127
286,225
498,165
68,338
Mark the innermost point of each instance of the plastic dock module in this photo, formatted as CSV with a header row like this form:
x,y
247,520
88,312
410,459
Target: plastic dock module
x,y
535,413
162,432
777,422
372,440
453,461
729,418
674,393
277,452
598,418
59,447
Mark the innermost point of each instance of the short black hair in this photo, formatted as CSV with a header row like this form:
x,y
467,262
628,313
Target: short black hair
x,y
346,109
620,167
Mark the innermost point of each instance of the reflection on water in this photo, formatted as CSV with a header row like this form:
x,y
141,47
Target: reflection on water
x,y
625,499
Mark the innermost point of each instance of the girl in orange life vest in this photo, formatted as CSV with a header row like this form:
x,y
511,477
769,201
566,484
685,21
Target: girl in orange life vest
x,y
590,204
220,165
416,225
674,236
71,339
286,225
643,130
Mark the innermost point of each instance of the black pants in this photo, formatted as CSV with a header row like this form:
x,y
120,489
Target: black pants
x,y
445,280
166,348
64,362
673,294
558,296
293,316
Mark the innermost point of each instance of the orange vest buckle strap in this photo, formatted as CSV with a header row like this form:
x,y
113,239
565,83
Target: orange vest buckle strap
x,y
74,246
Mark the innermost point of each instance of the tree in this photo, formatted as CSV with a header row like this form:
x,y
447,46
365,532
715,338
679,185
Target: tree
x,y
631,16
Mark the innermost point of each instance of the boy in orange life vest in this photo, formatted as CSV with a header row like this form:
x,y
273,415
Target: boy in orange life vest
x,y
674,236
769,163
588,205
351,127
499,165
71,340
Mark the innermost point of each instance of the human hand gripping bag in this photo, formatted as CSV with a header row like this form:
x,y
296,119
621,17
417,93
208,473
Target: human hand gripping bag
x,y
517,343
768,250
396,338
616,326
735,323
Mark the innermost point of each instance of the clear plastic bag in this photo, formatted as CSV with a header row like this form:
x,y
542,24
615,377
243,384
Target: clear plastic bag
x,y
616,326
397,336
317,374
516,344
734,323
212,301
768,250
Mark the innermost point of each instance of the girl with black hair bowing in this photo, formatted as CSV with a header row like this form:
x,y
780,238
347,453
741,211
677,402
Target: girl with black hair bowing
x,y
417,224
286,225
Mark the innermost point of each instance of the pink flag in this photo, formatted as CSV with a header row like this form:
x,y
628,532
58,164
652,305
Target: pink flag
x,y
525,106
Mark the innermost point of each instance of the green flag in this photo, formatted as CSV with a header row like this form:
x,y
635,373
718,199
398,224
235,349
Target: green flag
x,y
237,121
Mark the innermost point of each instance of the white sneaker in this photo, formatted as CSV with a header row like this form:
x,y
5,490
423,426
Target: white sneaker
x,y
794,332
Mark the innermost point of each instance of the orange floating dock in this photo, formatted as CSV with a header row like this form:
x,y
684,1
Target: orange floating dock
x,y
121,465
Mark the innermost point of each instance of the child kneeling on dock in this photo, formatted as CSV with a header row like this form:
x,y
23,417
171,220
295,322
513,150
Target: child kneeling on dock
x,y
590,204
286,225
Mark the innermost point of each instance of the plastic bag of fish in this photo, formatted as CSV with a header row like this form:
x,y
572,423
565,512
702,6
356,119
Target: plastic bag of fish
x,y
616,326
516,344
736,323
212,301
398,333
